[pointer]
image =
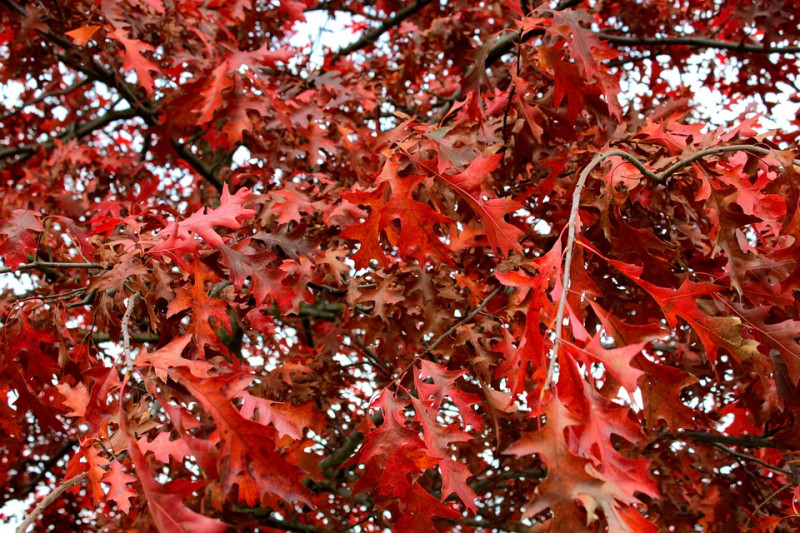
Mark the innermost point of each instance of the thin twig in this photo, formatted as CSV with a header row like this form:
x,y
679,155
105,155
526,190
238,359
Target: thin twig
x,y
39,509
573,217
126,336
40,265
698,42
372,36
769,499
43,96
371,355
461,322
747,441
751,458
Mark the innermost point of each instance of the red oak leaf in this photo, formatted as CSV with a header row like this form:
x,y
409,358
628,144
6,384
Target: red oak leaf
x,y
18,242
470,184
135,60
118,481
178,237
249,456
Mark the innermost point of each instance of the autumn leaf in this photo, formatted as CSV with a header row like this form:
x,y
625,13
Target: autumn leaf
x,y
165,502
492,211
168,357
19,242
203,309
118,481
81,36
178,237
249,458
136,61
417,237
433,277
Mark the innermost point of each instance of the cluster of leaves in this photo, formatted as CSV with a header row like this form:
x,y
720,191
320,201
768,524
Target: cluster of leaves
x,y
460,276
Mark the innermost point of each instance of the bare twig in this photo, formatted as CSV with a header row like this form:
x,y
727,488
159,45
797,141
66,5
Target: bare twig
x,y
375,34
461,322
756,460
573,217
41,265
53,496
747,441
77,132
768,499
43,96
126,336
371,355
699,42
562,302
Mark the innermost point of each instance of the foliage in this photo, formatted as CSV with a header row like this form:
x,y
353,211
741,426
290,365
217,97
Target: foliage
x,y
483,269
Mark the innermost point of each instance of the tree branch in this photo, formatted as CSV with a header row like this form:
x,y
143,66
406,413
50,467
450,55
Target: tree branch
x,y
140,106
135,337
481,484
501,47
53,496
756,460
341,454
77,132
573,217
370,355
43,96
44,265
126,334
507,42
372,36
746,441
51,461
698,42
460,323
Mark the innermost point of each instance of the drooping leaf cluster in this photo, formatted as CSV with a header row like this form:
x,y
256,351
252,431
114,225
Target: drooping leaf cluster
x,y
486,268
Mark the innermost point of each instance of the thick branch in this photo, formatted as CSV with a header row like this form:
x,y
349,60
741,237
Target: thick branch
x,y
481,484
53,496
135,337
341,454
287,525
699,42
196,163
372,36
47,465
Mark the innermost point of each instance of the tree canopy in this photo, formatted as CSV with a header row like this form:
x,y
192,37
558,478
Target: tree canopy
x,y
486,268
